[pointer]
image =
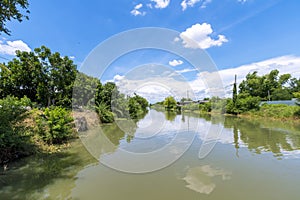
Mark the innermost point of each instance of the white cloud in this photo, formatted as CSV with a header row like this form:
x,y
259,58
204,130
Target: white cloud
x,y
118,78
188,3
161,3
205,3
136,11
185,71
242,1
138,6
198,36
72,57
175,63
10,47
149,5
284,64
157,86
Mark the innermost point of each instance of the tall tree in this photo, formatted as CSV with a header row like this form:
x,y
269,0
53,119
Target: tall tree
x,y
270,84
234,92
44,77
11,9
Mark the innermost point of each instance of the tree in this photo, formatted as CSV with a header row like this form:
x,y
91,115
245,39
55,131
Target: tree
x,y
85,90
9,9
262,86
44,77
143,103
185,99
105,94
170,103
297,95
137,105
234,92
294,85
14,136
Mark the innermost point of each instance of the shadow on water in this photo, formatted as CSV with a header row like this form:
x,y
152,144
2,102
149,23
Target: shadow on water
x,y
37,177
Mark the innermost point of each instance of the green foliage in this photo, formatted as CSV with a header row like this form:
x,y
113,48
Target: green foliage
x,y
143,103
133,108
137,105
55,125
243,104
278,111
206,107
10,10
105,94
218,104
44,77
14,137
105,115
170,103
270,84
281,94
185,99
85,89
297,95
294,85
191,107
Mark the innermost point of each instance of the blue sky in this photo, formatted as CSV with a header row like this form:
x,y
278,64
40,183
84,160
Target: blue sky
x,y
243,32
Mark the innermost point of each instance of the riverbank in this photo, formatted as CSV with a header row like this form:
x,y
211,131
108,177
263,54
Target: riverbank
x,y
274,112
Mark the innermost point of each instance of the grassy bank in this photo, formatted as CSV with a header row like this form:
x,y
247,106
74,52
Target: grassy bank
x,y
275,112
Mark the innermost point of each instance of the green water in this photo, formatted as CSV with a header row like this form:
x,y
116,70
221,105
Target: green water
x,y
250,160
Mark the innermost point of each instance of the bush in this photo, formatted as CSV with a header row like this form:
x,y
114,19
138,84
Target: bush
x,y
14,136
105,115
191,107
55,125
279,111
243,104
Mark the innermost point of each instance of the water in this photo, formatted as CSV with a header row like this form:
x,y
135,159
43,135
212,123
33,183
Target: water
x,y
251,160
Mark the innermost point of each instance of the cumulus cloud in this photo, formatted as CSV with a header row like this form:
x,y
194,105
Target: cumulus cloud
x,y
156,85
136,11
175,63
284,64
161,3
199,36
10,47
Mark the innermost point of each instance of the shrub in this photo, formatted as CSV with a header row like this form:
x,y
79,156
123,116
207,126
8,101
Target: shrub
x,y
14,136
105,115
55,125
243,104
279,111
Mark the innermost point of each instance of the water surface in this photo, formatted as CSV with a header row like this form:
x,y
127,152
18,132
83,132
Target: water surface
x,y
251,160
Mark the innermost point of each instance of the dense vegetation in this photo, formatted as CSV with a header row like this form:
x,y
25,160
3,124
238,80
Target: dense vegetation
x,y
38,90
254,90
170,103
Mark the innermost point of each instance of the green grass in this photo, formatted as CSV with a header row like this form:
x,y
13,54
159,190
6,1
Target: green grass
x,y
277,111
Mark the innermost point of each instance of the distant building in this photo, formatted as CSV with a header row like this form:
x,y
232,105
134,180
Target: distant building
x,y
286,102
